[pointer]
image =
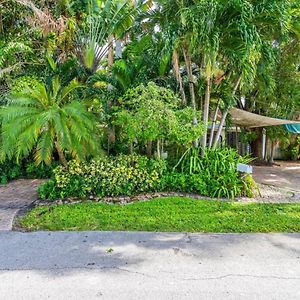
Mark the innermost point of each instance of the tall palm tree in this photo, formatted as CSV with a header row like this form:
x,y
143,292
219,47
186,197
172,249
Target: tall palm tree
x,y
44,119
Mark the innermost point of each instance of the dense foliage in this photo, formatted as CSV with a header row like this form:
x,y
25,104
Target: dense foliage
x,y
89,79
215,175
44,118
122,175
152,113
10,170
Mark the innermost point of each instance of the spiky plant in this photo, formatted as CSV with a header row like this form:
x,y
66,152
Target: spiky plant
x,y
45,119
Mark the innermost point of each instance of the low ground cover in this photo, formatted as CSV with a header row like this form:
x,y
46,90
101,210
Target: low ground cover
x,y
167,214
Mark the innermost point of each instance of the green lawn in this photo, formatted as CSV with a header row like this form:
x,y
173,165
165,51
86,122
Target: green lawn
x,y
167,214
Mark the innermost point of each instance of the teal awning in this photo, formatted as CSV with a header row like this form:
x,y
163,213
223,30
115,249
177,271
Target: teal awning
x,y
293,128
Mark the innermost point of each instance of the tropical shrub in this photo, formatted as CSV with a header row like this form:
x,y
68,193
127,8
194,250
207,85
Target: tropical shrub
x,y
216,176
152,113
217,170
45,119
114,176
184,183
10,170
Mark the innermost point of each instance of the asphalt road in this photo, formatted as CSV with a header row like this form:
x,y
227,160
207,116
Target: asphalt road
x,y
119,265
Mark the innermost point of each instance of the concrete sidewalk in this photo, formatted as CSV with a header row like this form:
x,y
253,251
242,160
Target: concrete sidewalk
x,y
136,265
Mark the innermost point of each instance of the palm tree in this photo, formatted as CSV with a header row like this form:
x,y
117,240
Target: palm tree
x,y
247,45
103,29
44,119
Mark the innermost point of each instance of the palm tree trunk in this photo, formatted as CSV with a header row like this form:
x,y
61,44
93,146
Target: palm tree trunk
x,y
220,129
217,137
213,126
205,114
61,155
110,55
158,149
272,152
188,63
178,76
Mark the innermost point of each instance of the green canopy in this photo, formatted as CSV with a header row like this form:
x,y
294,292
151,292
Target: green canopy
x,y
293,128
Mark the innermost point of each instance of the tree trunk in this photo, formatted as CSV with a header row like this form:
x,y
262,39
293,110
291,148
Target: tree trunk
x,y
213,126
110,56
149,148
217,137
272,152
257,145
188,63
158,149
131,148
205,114
178,76
220,129
61,155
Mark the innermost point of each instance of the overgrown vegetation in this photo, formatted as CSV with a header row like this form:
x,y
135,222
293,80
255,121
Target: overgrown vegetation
x,y
121,175
10,170
214,175
100,84
168,214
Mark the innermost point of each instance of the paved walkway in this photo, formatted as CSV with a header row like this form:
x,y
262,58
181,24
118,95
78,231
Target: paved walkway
x,y
15,196
127,265
286,176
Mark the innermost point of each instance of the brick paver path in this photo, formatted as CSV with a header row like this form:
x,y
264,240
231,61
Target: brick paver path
x,y
15,196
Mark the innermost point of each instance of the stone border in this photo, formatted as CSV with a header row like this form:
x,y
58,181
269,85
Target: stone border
x,y
122,200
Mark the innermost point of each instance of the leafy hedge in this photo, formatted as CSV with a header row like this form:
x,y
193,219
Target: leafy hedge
x,y
214,175
114,176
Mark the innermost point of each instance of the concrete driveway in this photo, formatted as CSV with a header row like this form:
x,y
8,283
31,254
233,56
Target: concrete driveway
x,y
286,175
127,265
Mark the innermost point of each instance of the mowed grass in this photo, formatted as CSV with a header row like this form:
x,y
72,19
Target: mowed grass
x,y
167,214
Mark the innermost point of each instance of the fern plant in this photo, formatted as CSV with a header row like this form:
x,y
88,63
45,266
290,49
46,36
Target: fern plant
x,y
45,119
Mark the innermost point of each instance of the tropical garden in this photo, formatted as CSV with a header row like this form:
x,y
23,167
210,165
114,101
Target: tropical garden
x,y
113,99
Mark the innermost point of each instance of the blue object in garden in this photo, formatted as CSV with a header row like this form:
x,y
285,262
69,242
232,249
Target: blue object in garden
x,y
293,128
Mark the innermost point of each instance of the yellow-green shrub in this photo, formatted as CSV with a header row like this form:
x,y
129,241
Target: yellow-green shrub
x,y
121,175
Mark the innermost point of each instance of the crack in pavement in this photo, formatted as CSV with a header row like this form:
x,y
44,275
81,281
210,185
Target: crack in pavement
x,y
152,276
241,275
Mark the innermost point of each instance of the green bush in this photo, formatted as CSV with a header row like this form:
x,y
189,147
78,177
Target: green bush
x,y
180,182
214,175
114,176
10,170
217,172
